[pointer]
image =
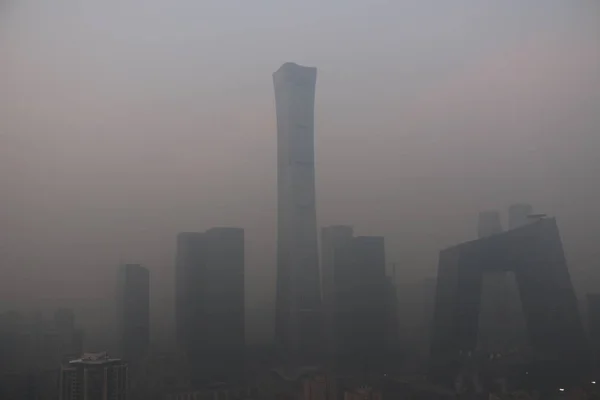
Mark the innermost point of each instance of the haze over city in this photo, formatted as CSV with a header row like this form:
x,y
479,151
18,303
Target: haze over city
x,y
122,125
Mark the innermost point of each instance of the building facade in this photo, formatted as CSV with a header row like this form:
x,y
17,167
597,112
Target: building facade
x,y
94,376
210,303
133,312
298,301
332,238
359,300
534,252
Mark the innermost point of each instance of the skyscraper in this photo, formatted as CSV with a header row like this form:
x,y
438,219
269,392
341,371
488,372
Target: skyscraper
x,y
359,300
363,303
210,302
333,238
93,376
593,311
535,253
133,311
188,284
298,310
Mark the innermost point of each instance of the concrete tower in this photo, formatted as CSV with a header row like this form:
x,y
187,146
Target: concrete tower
x,y
209,307
133,311
298,309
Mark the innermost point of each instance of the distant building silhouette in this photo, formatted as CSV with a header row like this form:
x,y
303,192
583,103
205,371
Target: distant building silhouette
x,y
535,253
359,299
298,319
93,376
133,312
593,309
501,322
32,349
210,303
332,238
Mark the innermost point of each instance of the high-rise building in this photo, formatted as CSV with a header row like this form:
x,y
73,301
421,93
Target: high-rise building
x,y
188,285
210,303
133,312
31,350
95,376
593,311
363,303
502,325
359,299
535,253
332,238
298,316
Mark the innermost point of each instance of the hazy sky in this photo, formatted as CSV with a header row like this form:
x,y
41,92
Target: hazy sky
x,y
123,122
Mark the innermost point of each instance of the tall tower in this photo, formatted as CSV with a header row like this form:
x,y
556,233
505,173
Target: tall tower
x,y
298,309
209,305
133,311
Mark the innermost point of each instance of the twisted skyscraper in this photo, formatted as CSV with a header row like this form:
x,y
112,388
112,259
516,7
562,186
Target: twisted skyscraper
x,y
298,311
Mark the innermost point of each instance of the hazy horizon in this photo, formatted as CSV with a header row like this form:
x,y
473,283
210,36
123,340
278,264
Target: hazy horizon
x,y
122,125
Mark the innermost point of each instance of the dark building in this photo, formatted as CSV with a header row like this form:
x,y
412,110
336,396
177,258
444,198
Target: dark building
x,y
94,376
189,265
298,318
332,238
133,312
593,309
210,303
360,312
501,322
31,350
534,252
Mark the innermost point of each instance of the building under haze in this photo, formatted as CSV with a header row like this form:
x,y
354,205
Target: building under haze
x,y
332,238
534,252
93,376
210,303
501,325
359,300
298,300
133,312
593,311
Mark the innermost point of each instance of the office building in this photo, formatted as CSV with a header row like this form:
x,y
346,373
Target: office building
x,y
332,238
501,321
298,318
133,312
31,350
94,376
210,303
534,252
359,299
593,311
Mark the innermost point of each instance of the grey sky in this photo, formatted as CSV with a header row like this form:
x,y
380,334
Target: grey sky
x,y
124,122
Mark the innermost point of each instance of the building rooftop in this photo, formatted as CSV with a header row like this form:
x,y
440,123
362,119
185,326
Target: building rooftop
x,y
95,359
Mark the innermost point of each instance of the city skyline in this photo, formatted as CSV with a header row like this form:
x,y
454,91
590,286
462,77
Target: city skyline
x,y
420,123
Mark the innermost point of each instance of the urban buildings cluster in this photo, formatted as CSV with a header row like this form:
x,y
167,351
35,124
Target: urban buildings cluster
x,y
336,310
